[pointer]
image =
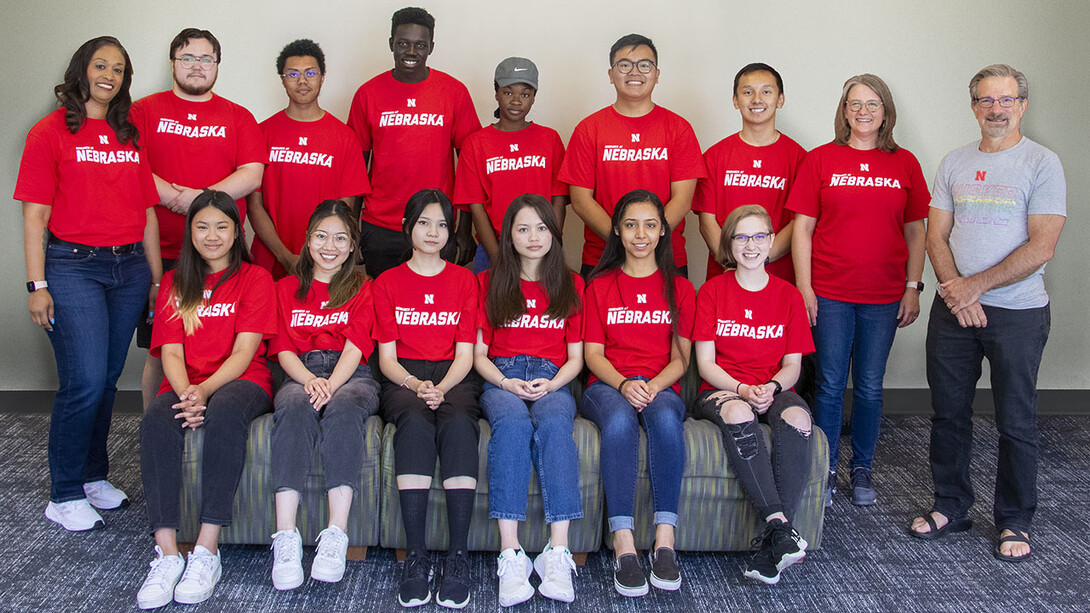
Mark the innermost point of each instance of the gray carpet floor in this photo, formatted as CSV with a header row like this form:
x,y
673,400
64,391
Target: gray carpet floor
x,y
867,563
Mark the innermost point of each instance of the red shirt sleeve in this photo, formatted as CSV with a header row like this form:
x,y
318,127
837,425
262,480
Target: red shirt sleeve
x,y
685,296
357,119
467,179
465,116
560,188
482,310
704,327
919,198
578,166
385,322
361,325
168,328
467,322
804,198
257,303
686,161
593,331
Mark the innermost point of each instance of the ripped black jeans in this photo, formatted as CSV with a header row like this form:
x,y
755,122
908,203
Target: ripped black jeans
x,y
773,482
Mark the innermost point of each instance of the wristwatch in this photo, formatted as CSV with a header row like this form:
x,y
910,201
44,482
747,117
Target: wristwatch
x,y
916,285
33,286
779,387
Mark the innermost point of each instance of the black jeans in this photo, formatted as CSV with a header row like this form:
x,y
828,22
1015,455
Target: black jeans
x,y
382,248
337,430
773,483
1013,342
450,432
226,428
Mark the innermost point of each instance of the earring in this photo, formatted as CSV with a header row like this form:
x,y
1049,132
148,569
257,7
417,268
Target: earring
x,y
768,261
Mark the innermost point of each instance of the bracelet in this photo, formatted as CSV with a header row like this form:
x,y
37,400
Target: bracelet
x,y
777,384
620,386
500,384
738,388
405,383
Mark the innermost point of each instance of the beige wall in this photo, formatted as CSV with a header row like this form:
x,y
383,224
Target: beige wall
x,y
926,50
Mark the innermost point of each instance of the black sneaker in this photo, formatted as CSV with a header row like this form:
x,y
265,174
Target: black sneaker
x,y
628,577
830,489
778,547
453,592
863,494
665,574
415,580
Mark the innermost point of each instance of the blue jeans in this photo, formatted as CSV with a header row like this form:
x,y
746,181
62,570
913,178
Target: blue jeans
x,y
481,262
1013,342
858,336
97,299
524,433
618,423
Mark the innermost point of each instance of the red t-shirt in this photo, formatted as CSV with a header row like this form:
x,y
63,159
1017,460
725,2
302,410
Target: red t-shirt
x,y
630,316
613,155
740,174
99,190
426,315
862,201
310,326
194,144
244,303
411,130
533,333
752,330
495,167
309,162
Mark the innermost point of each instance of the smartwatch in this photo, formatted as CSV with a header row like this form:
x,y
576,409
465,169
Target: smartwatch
x,y
916,285
33,286
779,388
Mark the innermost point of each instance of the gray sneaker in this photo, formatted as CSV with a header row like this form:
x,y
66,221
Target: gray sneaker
x,y
863,494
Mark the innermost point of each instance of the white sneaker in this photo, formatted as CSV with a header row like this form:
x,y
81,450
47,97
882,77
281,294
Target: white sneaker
x,y
202,573
158,588
555,566
103,495
287,570
329,560
514,573
74,515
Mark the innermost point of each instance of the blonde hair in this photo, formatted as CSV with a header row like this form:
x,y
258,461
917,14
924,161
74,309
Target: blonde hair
x,y
889,118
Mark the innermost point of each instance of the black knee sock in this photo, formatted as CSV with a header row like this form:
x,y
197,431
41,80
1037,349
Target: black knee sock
x,y
414,514
459,514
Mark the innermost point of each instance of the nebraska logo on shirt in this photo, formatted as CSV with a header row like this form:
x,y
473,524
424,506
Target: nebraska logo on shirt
x,y
412,317
617,153
219,309
625,315
394,118
169,126
90,154
103,139
499,163
303,317
289,156
850,180
730,328
738,178
536,321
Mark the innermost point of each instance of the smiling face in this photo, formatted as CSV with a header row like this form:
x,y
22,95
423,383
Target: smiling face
x,y
330,245
529,234
865,122
411,44
750,253
515,101
640,230
213,235
758,97
303,90
105,74
430,232
635,85
197,79
998,123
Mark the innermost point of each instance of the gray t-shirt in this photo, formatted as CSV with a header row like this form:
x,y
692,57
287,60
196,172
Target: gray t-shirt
x,y
992,195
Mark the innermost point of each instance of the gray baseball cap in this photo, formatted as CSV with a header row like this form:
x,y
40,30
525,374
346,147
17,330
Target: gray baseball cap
x,y
516,70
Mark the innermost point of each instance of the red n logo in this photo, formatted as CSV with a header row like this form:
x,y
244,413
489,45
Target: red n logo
x,y
980,174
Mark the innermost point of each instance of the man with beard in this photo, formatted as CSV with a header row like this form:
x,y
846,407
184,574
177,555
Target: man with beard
x,y
410,121
194,140
997,209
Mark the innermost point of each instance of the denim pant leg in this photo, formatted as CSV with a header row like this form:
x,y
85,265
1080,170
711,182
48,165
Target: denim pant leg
x,y
834,334
97,299
555,456
162,441
227,427
1014,343
875,327
294,436
509,463
954,357
790,451
618,425
342,424
663,419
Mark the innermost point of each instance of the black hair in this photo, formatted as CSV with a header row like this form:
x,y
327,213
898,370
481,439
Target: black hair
x,y
76,89
347,281
757,67
632,40
415,207
412,15
300,48
188,34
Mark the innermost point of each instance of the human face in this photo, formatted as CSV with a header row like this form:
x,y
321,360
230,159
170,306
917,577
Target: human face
x,y
757,97
530,235
430,233
198,79
411,44
864,123
640,230
304,90
997,122
635,85
105,74
330,245
751,254
213,235
515,102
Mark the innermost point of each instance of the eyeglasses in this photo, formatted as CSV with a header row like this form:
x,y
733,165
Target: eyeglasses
x,y
625,66
1005,102
857,105
340,240
761,238
310,73
205,61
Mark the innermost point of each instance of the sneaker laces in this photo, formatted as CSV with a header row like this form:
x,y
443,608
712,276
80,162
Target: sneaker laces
x,y
330,543
559,565
284,550
510,566
457,567
200,565
861,478
160,567
416,567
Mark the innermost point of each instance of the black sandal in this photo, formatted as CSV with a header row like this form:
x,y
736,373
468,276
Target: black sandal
x,y
1017,537
960,524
